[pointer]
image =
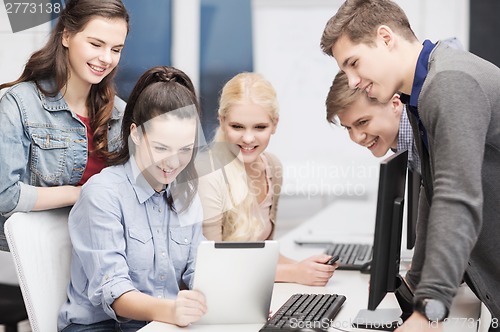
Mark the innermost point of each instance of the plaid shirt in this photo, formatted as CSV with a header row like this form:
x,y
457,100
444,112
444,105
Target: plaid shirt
x,y
406,142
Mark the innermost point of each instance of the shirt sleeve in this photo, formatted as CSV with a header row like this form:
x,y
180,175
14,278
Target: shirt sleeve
x,y
15,145
98,239
276,169
457,127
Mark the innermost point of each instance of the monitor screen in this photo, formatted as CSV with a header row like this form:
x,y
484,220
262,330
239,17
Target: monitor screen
x,y
384,269
413,195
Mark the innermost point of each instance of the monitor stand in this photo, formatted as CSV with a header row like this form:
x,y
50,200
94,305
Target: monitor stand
x,y
388,319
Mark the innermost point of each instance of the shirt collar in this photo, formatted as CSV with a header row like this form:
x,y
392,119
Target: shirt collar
x,y
420,74
55,103
141,186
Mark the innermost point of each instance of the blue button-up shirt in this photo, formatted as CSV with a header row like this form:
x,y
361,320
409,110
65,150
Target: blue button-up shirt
x,y
125,238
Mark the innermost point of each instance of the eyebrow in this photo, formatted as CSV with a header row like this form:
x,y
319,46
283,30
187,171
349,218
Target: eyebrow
x,y
355,122
255,124
168,146
103,42
344,64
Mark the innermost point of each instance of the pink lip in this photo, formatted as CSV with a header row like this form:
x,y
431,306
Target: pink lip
x,y
370,89
373,146
95,72
165,174
244,151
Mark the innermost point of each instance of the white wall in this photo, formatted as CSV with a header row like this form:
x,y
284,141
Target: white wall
x,y
317,157
186,38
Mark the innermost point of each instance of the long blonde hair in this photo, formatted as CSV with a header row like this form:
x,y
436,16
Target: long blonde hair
x,y
240,222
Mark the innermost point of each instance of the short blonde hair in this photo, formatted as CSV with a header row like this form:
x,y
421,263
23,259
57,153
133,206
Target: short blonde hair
x,y
359,20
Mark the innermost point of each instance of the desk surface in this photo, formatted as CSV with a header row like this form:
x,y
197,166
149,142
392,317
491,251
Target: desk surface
x,y
342,221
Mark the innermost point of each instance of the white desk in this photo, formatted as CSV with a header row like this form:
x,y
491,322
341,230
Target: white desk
x,y
342,221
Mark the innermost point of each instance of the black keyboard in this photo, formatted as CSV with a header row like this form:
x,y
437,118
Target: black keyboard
x,y
305,310
352,256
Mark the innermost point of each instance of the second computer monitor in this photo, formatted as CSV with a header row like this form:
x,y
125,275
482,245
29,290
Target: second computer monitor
x,y
388,228
384,270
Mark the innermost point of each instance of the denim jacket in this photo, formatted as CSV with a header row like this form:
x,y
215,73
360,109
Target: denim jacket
x,y
43,144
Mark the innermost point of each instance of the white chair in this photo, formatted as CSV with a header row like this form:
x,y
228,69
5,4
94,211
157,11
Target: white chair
x,y
41,248
484,323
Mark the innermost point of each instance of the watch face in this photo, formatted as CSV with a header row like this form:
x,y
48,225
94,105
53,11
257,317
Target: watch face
x,y
434,310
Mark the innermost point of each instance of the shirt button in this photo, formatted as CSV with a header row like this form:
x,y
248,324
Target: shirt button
x,y
185,240
159,296
163,254
162,277
159,210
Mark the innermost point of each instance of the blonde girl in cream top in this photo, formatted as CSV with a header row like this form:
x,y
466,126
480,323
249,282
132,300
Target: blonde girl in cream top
x,y
241,183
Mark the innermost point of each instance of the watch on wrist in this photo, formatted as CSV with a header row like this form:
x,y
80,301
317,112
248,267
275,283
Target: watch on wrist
x,y
432,309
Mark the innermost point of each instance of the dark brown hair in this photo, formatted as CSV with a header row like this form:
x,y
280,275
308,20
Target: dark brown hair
x,y
158,91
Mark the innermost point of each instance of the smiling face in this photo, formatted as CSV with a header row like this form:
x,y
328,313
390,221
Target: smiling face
x,y
164,148
370,68
373,125
249,127
95,51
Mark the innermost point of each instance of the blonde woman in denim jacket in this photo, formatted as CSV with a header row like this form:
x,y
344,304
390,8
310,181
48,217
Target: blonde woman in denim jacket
x,y
60,118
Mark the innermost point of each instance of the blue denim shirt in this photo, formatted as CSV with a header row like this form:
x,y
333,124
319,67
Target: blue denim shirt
x,y
42,144
125,238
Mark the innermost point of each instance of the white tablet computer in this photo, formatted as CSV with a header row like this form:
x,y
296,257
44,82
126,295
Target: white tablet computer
x,y
237,279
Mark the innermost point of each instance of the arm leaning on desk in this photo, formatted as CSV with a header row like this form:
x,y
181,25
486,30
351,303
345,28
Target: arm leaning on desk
x,y
343,221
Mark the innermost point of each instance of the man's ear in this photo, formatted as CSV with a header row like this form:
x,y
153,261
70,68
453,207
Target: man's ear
x,y
397,104
134,134
386,35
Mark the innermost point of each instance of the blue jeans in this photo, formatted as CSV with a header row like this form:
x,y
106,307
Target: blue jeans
x,y
106,326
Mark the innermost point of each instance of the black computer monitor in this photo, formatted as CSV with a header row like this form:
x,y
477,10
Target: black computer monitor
x,y
384,271
413,195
